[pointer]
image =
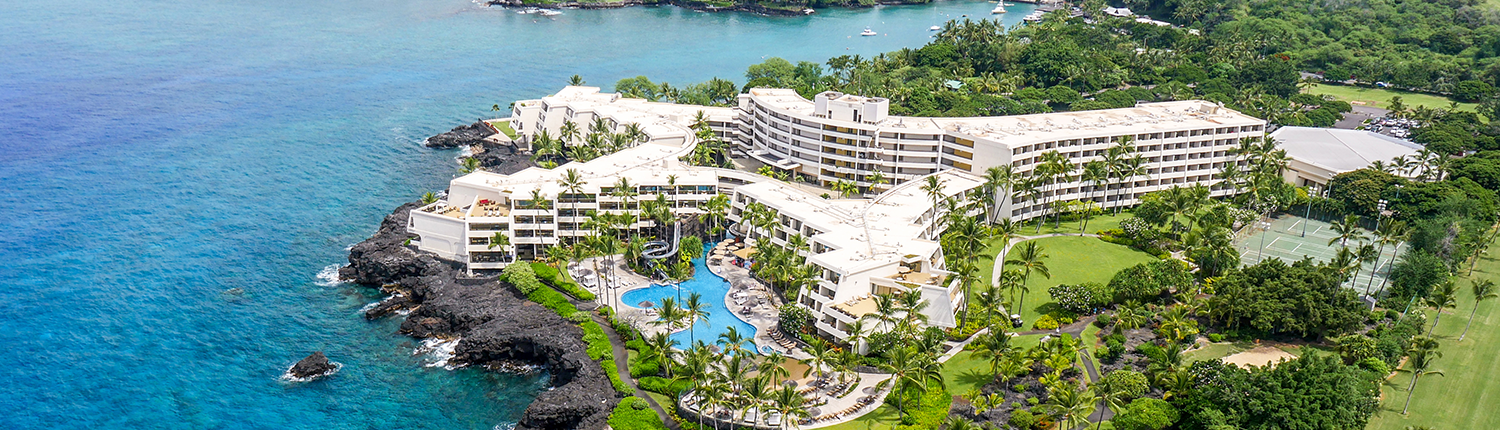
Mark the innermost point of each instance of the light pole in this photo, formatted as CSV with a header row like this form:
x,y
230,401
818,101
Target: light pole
x,y
1311,194
1265,229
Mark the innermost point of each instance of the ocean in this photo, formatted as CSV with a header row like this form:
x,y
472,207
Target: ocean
x,y
176,175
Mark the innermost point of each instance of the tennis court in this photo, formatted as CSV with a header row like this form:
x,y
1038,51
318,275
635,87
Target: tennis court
x,y
1291,238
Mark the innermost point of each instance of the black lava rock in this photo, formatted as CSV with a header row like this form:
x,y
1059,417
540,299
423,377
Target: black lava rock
x,y
313,366
461,136
496,323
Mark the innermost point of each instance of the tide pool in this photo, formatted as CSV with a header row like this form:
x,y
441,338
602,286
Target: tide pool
x,y
713,289
158,155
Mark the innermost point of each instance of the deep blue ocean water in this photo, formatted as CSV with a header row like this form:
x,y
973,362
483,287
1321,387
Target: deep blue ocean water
x,y
156,154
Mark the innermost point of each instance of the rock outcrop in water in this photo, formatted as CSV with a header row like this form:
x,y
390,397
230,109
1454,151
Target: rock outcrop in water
x,y
313,366
461,136
497,325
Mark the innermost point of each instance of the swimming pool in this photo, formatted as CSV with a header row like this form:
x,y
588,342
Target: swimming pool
x,y
713,288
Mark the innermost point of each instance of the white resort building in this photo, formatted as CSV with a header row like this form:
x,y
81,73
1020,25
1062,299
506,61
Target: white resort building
x,y
880,243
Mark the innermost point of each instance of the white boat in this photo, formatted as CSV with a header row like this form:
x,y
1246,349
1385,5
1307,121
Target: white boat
x,y
934,28
550,12
868,32
999,9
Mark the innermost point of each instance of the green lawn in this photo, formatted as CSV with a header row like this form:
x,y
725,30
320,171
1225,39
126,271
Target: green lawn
x,y
1096,224
1376,97
1072,260
966,372
1216,351
504,127
1465,398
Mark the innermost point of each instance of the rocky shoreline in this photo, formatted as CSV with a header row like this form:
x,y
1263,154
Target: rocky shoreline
x,y
497,325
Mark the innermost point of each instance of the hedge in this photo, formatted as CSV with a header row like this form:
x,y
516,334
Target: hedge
x,y
644,365
554,278
599,348
928,412
634,413
664,386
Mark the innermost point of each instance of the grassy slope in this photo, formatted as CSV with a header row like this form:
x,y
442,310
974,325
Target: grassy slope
x,y
1375,97
1466,397
504,127
1071,260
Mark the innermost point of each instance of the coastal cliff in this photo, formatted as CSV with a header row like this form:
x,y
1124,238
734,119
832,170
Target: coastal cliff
x,y
497,325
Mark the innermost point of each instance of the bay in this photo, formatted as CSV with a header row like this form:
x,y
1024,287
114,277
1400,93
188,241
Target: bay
x,y
156,155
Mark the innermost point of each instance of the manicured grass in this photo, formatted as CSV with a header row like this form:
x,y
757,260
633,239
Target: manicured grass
x,y
504,127
1465,398
1071,260
1377,97
1070,226
883,417
966,372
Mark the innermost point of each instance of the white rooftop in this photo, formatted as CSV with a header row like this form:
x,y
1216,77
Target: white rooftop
x,y
1016,130
1340,150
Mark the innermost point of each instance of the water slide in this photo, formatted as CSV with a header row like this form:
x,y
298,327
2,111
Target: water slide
x,y
658,249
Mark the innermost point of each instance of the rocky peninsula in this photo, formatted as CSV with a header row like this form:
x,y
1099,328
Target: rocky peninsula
x,y
496,325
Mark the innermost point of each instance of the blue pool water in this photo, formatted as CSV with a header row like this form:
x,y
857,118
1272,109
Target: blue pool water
x,y
713,288
154,154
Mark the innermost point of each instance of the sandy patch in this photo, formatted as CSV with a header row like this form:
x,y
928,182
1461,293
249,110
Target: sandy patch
x,y
1260,356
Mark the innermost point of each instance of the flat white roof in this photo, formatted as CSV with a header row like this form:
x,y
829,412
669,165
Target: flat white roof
x,y
866,233
1340,150
1015,130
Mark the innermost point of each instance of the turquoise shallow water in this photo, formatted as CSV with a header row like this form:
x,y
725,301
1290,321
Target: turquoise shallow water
x,y
154,154
713,288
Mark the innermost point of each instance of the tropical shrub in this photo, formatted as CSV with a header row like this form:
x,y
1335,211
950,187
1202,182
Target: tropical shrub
x,y
1146,414
1022,419
643,365
1273,297
522,277
1311,392
554,278
1046,322
794,318
634,413
1148,281
1085,298
1129,383
664,386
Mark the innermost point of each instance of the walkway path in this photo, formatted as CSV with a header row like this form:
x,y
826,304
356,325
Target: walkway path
x,y
622,364
1000,258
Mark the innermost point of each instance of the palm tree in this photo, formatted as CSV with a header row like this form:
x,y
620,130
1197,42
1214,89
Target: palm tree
x,y
669,314
468,165
877,179
1397,235
857,333
501,241
572,184
1111,396
1383,236
715,211
662,347
933,186
770,366
1445,296
885,312
1074,405
998,181
575,81
429,198
819,355
1177,324
1030,259
995,347
1422,352
569,132
911,371
1347,228
732,340
1364,254
1095,172
1483,290
695,309
626,192
789,403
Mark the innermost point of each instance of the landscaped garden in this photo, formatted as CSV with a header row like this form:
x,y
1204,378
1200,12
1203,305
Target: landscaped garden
x,y
1074,260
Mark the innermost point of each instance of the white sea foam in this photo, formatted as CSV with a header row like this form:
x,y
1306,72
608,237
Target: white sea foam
x,y
329,276
507,426
438,352
287,375
373,304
